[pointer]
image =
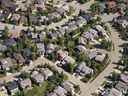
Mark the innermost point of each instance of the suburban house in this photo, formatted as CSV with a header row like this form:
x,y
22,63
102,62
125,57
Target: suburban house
x,y
12,87
46,72
122,87
3,90
114,92
83,70
25,83
60,91
37,78
6,64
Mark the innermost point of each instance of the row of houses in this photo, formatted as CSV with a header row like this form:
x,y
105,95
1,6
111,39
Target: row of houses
x,y
120,88
65,89
21,83
18,16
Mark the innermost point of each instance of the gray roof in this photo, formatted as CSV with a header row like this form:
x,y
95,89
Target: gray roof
x,y
114,92
121,86
12,85
60,91
83,70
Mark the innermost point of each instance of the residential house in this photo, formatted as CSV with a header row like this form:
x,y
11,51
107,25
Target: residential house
x,y
6,63
14,33
25,84
83,70
122,87
81,21
60,91
124,78
19,58
15,18
3,90
68,60
111,6
47,73
81,49
69,87
37,78
92,53
100,58
12,87
115,92
10,42
40,4
61,54
3,48
41,48
52,94
50,48
82,41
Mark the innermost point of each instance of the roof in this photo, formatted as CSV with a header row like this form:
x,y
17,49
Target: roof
x,y
25,83
121,86
83,70
52,94
100,58
115,92
38,78
12,85
6,63
60,91
124,78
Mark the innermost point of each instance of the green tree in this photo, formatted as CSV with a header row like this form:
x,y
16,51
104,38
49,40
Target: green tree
x,y
95,8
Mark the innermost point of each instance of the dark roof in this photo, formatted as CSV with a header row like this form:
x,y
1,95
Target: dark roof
x,y
12,85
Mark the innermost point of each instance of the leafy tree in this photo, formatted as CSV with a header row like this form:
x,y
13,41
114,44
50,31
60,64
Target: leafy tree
x,y
95,8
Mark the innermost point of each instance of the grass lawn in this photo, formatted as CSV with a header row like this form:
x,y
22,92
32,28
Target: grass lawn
x,y
37,90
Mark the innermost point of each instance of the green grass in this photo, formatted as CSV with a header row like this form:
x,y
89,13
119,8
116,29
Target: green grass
x,y
37,90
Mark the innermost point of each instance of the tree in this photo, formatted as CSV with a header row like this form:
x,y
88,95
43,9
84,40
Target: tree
x,y
82,1
5,33
95,8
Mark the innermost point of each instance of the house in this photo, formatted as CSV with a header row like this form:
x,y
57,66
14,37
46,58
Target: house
x,y
124,78
122,87
54,16
100,58
81,21
25,84
3,90
15,18
52,94
61,11
41,48
92,53
82,41
83,70
115,92
12,87
111,6
81,49
69,87
50,48
68,60
14,33
6,63
40,4
37,78
3,48
10,42
61,54
60,91
46,73
19,58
